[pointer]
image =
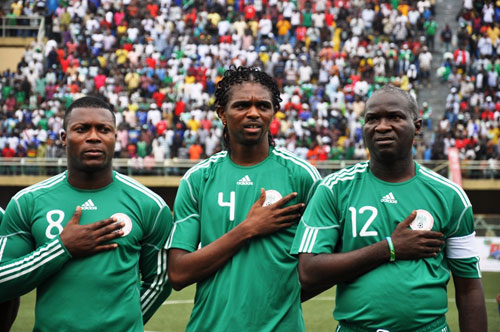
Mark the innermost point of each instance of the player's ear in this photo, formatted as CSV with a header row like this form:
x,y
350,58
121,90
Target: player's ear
x,y
62,133
418,126
221,114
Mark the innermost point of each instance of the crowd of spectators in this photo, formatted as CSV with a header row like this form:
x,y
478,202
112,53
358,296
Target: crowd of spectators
x,y
158,63
471,68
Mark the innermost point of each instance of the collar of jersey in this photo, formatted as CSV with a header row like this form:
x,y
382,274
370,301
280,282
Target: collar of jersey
x,y
252,166
90,190
417,168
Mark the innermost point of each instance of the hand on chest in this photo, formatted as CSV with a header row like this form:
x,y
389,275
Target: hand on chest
x,y
231,198
51,217
374,214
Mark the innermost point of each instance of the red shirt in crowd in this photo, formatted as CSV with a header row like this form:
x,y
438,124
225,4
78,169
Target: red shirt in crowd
x,y
161,126
152,8
64,64
99,81
301,33
487,115
250,12
190,17
128,47
180,107
151,62
8,152
159,98
274,127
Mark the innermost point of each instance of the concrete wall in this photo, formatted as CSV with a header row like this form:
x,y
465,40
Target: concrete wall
x,y
12,50
10,57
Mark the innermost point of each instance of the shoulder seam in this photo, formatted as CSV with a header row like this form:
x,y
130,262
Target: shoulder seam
x,y
438,178
41,185
285,154
141,188
205,163
346,174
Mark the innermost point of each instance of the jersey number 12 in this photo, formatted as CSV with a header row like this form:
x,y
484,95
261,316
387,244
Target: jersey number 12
x,y
364,231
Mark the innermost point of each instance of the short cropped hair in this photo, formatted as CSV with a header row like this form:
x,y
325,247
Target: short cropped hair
x,y
412,103
88,102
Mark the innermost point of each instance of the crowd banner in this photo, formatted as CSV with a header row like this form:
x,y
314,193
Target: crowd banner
x,y
455,173
489,253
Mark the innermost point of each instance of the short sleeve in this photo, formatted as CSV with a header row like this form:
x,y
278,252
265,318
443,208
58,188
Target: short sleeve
x,y
186,230
318,230
461,252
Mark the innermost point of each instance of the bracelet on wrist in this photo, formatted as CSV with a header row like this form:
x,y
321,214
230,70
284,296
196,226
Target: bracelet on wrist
x,y
392,252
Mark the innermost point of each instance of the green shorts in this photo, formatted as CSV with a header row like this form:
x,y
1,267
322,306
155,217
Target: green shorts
x,y
439,325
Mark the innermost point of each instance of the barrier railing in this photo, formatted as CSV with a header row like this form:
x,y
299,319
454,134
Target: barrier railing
x,y
148,166
487,224
23,26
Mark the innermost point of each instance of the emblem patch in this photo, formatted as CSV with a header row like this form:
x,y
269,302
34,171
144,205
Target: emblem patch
x,y
272,196
122,217
423,221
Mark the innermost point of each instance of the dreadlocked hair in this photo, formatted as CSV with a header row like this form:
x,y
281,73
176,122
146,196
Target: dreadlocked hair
x,y
239,75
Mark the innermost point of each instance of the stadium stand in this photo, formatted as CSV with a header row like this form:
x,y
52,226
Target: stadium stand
x,y
158,63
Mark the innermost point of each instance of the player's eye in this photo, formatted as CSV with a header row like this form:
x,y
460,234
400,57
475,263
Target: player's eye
x,y
238,106
264,106
396,117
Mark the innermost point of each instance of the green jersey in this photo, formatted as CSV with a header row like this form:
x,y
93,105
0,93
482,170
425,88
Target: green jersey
x,y
352,209
430,27
258,289
116,290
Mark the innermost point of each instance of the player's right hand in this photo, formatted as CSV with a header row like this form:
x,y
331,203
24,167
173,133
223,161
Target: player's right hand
x,y
87,240
410,244
264,220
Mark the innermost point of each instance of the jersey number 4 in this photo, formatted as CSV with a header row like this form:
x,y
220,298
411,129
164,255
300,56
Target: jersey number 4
x,y
364,231
231,204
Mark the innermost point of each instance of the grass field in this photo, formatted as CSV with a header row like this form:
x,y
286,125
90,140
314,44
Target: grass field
x,y
174,313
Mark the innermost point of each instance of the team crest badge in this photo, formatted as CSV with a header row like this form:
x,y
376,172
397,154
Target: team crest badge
x,y
272,196
423,221
122,217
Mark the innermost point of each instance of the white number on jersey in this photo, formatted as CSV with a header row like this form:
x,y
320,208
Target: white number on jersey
x,y
54,218
231,204
371,218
